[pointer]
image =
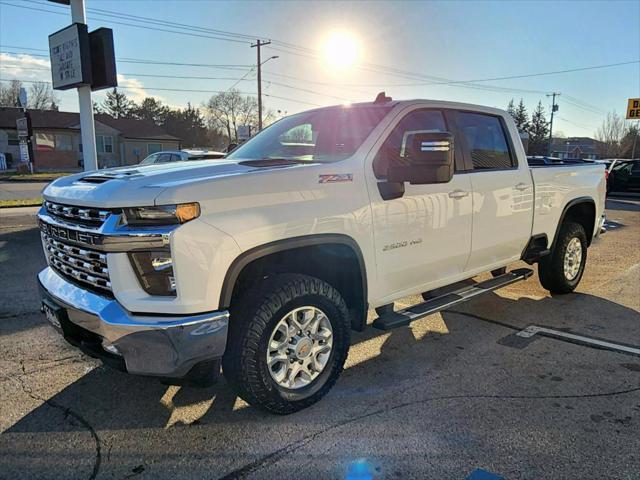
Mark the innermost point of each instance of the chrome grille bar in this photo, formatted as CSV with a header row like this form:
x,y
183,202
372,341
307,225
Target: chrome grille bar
x,y
81,214
81,264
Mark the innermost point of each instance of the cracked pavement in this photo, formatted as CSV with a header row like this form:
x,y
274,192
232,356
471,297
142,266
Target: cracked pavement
x,y
449,395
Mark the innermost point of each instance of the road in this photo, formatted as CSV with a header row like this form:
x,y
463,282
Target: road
x,y
455,395
20,190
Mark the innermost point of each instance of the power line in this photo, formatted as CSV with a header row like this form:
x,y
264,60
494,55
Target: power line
x,y
230,66
575,124
177,90
310,53
212,37
185,77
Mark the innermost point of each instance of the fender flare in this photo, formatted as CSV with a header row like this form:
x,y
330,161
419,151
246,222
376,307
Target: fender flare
x,y
255,253
567,207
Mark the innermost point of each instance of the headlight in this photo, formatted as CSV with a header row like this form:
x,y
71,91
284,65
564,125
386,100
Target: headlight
x,y
162,215
154,270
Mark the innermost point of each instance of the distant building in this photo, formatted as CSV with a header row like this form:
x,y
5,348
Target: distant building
x,y
576,147
58,144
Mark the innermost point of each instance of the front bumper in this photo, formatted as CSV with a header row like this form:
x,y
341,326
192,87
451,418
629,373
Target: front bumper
x,y
145,344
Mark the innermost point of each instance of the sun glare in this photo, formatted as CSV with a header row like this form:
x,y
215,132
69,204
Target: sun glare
x,y
340,50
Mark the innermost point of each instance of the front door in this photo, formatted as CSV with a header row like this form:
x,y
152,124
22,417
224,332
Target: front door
x,y
422,237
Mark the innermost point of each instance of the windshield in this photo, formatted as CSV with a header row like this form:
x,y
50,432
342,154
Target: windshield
x,y
326,135
149,160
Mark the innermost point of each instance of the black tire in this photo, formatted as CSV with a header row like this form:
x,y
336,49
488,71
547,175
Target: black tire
x,y
252,322
551,268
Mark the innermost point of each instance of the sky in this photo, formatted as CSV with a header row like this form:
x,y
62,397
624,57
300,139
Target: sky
x,y
408,49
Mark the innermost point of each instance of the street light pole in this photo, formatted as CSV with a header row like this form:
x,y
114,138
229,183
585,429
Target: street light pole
x,y
87,127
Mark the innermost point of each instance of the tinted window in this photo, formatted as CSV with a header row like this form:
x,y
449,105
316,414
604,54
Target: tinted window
x,y
623,167
485,140
393,151
164,158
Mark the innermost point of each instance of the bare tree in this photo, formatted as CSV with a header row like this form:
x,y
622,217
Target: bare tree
x,y
42,97
226,111
222,112
9,93
610,135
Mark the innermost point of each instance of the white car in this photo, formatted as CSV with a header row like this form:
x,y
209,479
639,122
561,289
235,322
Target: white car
x,y
169,156
264,261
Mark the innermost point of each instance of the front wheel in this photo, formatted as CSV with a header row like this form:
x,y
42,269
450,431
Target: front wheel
x,y
288,342
561,271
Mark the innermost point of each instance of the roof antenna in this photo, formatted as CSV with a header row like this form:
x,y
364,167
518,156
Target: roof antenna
x,y
382,98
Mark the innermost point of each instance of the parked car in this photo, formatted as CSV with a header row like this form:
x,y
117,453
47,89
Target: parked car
x,y
181,156
623,176
264,263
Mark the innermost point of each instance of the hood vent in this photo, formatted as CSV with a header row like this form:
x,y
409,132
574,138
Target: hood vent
x,y
96,178
103,177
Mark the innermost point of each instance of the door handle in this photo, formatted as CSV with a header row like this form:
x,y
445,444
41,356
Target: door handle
x,y
522,186
458,194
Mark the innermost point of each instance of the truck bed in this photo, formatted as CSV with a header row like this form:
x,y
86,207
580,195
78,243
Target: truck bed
x,y
557,184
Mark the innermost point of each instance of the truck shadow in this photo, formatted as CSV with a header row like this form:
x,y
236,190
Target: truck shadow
x,y
110,400
17,296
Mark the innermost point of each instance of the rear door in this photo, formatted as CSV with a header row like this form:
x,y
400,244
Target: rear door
x,y
502,190
423,235
634,178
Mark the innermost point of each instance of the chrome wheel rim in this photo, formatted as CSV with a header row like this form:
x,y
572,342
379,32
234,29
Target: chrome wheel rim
x,y
573,259
299,347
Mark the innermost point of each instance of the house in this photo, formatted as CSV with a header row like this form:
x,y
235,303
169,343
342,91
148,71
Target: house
x,y
576,147
57,143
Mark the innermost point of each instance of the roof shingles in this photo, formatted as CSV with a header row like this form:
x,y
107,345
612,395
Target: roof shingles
x,y
128,127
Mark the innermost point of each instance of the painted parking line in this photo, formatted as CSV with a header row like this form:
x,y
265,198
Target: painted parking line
x,y
532,330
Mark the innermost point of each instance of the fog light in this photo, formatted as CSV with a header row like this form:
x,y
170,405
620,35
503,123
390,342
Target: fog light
x,y
154,270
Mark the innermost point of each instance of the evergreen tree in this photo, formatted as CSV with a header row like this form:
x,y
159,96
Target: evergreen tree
x,y
117,104
521,117
151,109
511,109
538,132
188,125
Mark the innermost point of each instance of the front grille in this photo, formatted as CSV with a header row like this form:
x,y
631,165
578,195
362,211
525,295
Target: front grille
x,y
85,266
80,215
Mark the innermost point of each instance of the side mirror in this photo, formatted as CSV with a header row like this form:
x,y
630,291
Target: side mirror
x,y
428,158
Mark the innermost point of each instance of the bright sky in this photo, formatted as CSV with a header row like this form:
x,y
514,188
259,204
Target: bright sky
x,y
431,42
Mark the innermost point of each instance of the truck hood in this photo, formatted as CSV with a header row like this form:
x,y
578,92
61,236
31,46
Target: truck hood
x,y
141,185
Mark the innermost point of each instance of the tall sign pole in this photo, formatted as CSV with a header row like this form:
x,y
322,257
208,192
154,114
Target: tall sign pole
x,y
259,44
87,125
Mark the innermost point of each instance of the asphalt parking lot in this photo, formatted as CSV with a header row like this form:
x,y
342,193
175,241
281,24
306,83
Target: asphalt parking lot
x,y
457,395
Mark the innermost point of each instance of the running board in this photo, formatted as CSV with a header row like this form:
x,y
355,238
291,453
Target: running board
x,y
404,317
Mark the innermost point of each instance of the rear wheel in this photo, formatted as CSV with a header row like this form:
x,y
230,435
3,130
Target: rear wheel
x,y
561,271
288,342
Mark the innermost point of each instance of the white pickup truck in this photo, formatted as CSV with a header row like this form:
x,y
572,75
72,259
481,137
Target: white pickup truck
x,y
261,263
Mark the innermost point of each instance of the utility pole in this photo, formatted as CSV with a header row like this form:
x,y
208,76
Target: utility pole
x,y
259,44
87,127
554,108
